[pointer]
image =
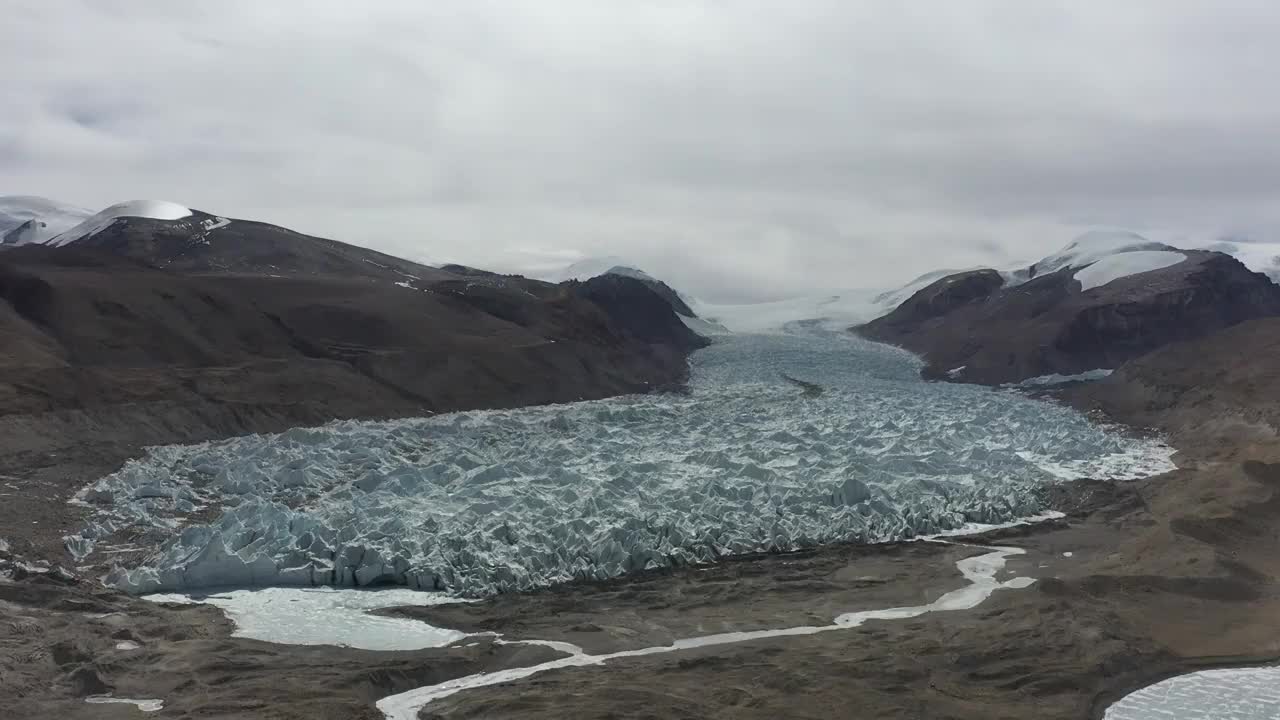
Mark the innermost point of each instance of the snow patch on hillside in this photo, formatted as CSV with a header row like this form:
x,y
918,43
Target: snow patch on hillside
x,y
1114,267
1094,246
153,209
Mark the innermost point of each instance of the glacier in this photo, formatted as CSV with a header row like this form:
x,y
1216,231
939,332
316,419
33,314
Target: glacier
x,y
476,503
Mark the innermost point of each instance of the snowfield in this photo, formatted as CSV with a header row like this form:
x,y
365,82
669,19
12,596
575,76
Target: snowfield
x,y
1094,246
481,502
1114,267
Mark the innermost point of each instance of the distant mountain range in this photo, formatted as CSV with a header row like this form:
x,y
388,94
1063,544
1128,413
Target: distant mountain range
x,y
1104,298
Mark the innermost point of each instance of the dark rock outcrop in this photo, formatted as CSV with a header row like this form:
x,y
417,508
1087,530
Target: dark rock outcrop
x,y
467,270
1222,388
668,293
634,306
972,328
944,297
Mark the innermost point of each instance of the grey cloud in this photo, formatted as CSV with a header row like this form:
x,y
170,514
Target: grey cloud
x,y
745,149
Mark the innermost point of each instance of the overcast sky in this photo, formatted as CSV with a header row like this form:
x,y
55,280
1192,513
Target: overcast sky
x,y
742,149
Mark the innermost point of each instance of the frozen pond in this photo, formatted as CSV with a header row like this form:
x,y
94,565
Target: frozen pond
x,y
326,616
1225,694
479,502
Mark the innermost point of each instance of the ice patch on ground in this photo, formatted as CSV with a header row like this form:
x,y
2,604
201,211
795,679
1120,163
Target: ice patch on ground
x,y
1057,379
143,705
1114,267
1224,694
980,572
481,502
326,616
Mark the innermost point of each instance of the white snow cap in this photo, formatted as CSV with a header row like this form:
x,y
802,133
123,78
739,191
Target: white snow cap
x,y
1103,256
1114,267
154,209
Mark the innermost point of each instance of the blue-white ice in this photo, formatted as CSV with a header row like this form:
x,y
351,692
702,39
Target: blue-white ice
x,y
1226,694
326,616
481,502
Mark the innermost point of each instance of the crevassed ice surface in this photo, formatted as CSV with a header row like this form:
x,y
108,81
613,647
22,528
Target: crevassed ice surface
x,y
481,502
1225,694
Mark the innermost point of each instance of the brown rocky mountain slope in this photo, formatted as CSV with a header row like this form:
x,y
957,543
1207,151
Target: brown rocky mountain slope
x,y
1218,390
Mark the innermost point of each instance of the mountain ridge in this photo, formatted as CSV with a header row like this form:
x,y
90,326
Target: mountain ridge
x,y
1094,306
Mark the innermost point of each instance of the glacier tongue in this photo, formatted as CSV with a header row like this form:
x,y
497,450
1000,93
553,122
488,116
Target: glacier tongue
x,y
481,502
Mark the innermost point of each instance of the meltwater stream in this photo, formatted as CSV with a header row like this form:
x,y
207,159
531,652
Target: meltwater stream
x,y
480,502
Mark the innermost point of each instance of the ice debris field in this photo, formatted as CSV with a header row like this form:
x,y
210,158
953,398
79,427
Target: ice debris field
x,y
476,503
